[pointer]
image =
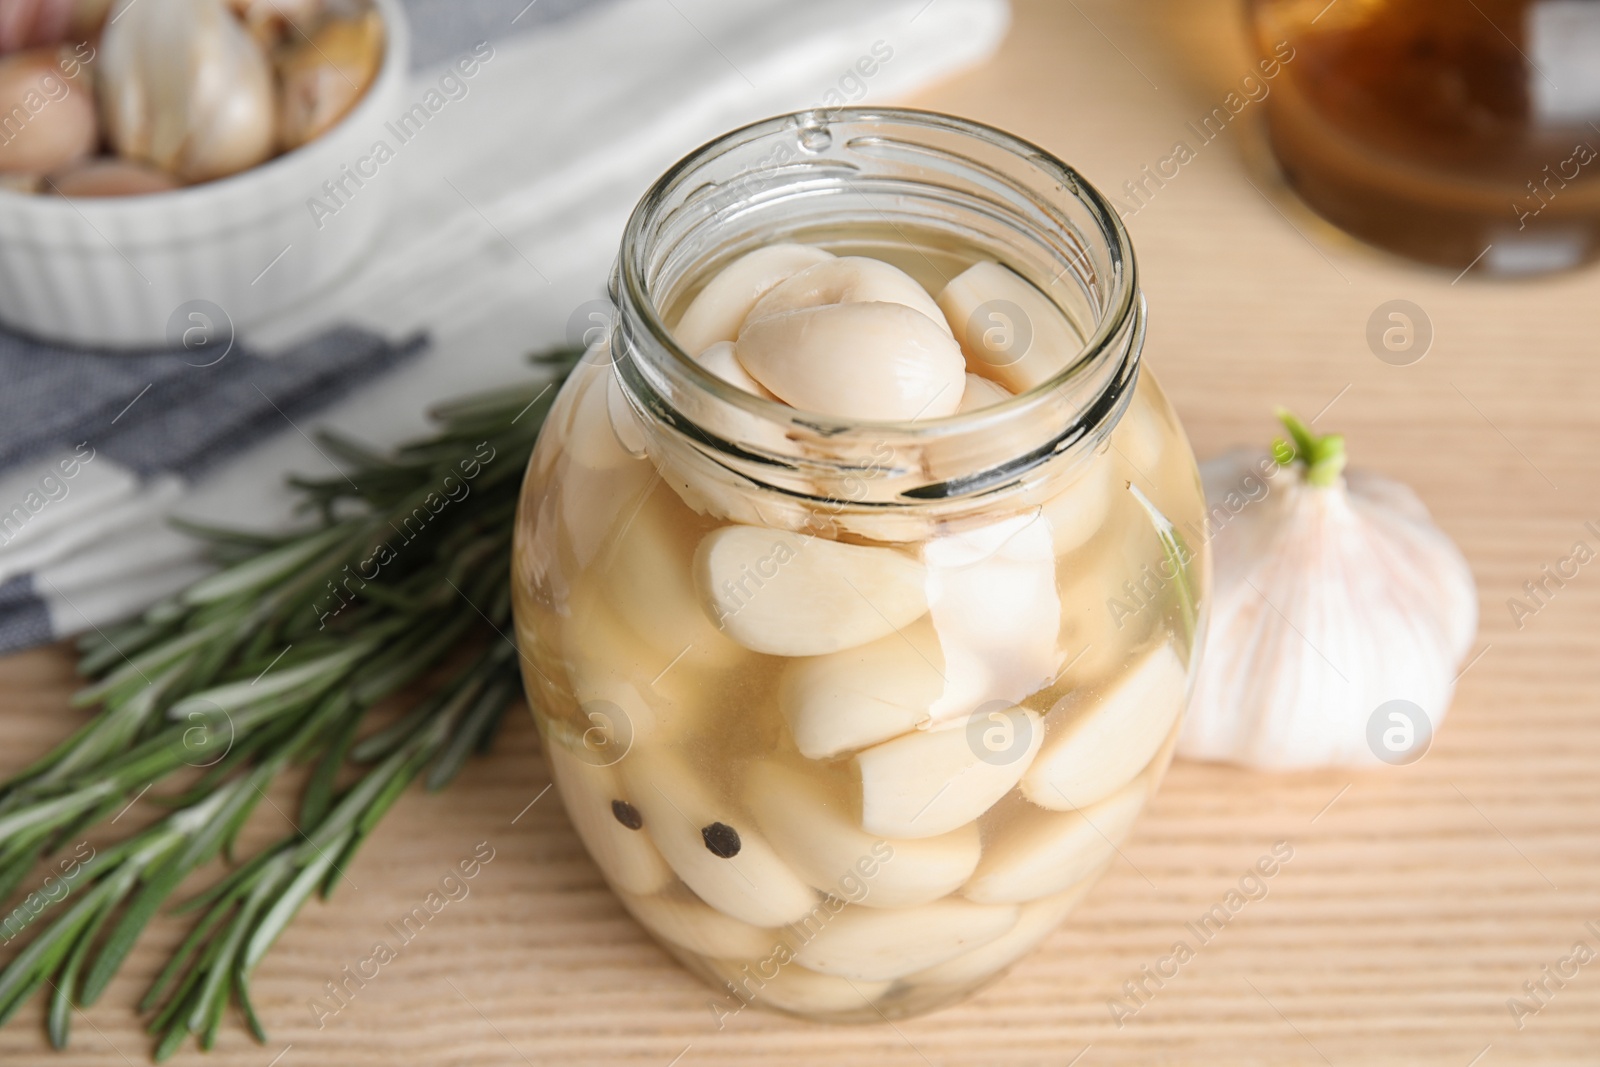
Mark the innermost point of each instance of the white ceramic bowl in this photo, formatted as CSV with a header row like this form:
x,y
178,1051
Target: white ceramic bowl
x,y
125,272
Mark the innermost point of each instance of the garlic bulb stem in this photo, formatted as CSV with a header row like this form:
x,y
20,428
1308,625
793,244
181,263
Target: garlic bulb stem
x,y
1323,457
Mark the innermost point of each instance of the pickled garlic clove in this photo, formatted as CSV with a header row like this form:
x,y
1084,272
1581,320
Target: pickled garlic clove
x,y
648,574
789,595
598,480
820,840
720,360
795,989
1035,852
183,86
846,280
628,690
1016,537
719,854
718,310
1139,435
620,714
848,700
981,393
49,117
591,794
1036,920
930,782
1096,745
323,76
1112,600
888,526
993,602
876,945
677,916
728,497
880,361
625,421
589,435
110,177
594,504
615,695
1079,507
1009,331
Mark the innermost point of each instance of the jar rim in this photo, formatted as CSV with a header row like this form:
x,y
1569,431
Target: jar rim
x,y
1031,211
1123,303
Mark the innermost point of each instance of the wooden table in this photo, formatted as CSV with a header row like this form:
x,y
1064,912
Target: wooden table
x,y
1417,901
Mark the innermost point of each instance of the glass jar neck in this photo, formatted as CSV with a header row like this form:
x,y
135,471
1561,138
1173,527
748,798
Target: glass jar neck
x,y
940,189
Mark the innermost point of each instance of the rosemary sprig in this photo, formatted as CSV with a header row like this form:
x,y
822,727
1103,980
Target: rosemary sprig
x,y
272,661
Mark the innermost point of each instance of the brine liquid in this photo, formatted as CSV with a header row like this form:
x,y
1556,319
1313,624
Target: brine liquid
x,y
607,604
1455,133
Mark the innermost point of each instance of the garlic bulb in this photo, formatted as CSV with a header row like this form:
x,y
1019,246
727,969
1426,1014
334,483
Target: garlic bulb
x,y
185,87
1334,595
324,76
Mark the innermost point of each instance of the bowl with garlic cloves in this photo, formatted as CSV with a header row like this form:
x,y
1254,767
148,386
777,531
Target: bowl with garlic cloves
x,y
154,153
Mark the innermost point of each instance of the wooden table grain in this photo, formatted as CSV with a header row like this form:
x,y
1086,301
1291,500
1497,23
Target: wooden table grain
x,y
1417,901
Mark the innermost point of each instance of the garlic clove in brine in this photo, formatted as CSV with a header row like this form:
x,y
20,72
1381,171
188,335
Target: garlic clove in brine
x,y
324,76
876,360
681,918
1010,332
720,360
185,87
876,944
1334,594
720,308
846,280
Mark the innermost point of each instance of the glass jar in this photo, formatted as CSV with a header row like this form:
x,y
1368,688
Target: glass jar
x,y
851,713
1458,134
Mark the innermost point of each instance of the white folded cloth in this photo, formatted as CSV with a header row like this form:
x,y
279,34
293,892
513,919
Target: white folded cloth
x,y
512,201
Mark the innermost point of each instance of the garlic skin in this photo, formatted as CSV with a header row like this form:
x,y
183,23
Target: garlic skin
x,y
183,86
58,124
32,23
269,20
1328,601
110,177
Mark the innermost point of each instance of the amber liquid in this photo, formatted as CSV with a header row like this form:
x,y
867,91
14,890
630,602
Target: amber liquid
x,y
1455,132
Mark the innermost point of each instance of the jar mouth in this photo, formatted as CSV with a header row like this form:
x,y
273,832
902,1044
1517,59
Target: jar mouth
x,y
995,177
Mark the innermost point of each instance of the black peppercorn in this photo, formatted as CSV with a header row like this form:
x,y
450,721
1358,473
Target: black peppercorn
x,y
627,814
721,839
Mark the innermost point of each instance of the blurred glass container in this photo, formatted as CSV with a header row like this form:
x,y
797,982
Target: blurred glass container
x,y
1454,132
